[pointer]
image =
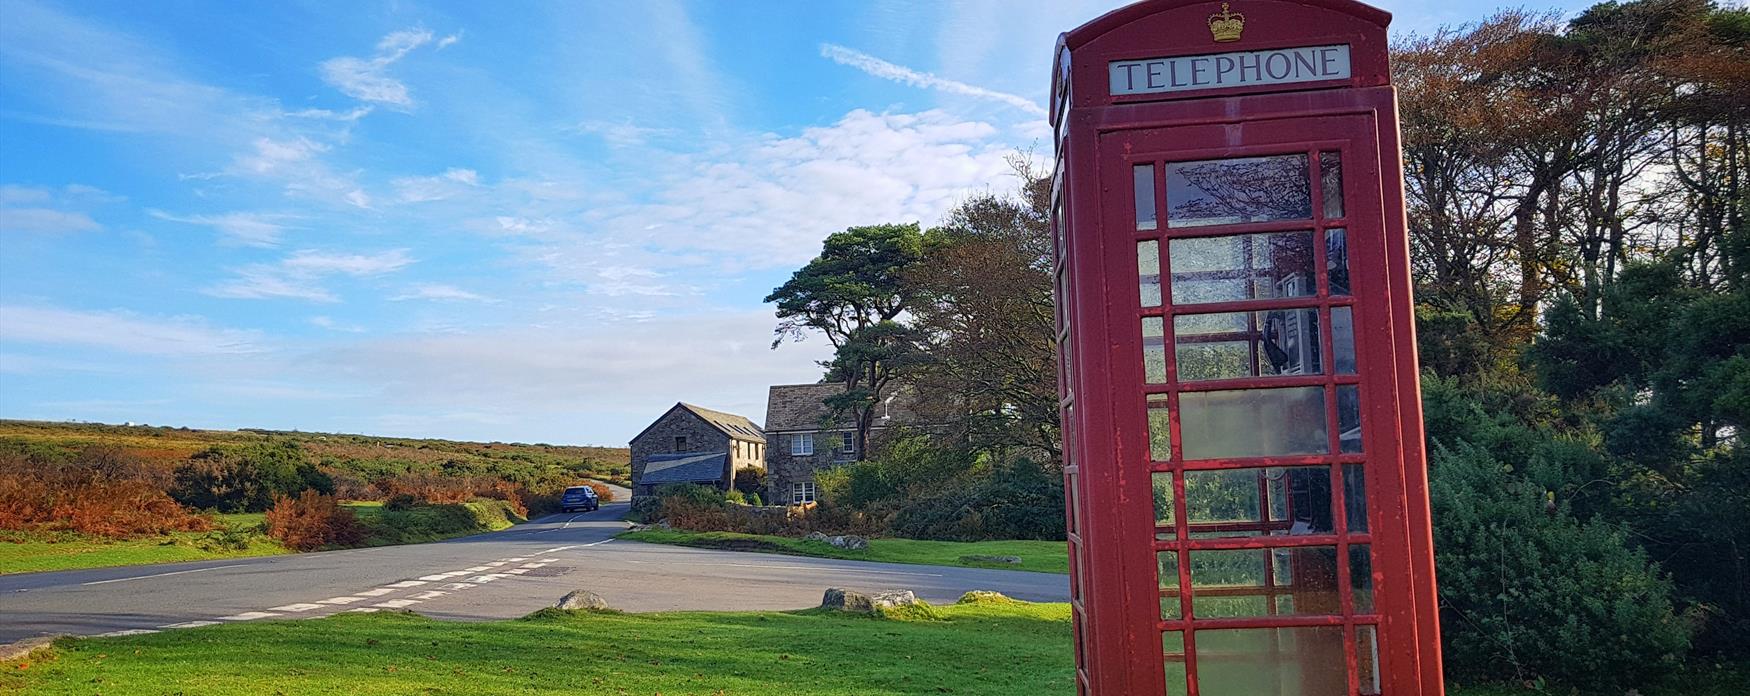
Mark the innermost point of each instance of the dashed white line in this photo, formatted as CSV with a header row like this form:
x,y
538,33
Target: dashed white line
x,y
597,543
477,568
515,560
516,571
495,564
128,632
160,575
396,603
340,600
456,586
429,594
296,607
404,584
377,592
191,624
248,616
364,610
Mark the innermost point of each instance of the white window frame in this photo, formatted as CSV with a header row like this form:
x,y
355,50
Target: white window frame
x,y
847,442
802,492
802,444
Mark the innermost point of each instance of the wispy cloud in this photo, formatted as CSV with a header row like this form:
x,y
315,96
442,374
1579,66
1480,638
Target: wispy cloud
x,y
124,332
300,275
440,291
368,79
43,210
418,189
45,221
247,229
899,73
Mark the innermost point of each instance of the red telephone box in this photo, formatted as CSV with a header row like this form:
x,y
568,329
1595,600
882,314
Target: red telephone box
x,y
1248,504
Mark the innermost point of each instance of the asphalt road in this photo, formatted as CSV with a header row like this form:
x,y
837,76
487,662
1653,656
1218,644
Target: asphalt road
x,y
488,576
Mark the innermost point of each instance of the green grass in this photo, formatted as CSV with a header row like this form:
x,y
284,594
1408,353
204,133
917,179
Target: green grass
x,y
991,648
1038,556
29,551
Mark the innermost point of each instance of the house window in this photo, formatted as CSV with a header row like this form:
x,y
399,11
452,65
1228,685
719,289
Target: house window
x,y
802,492
802,445
847,443
680,443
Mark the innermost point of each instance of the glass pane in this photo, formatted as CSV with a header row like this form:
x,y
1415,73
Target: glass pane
x,y
1144,174
1247,344
1163,495
1242,267
1232,583
1154,350
1173,646
1361,578
1232,191
1167,572
1148,272
1160,434
1336,260
1234,502
1303,661
1073,494
1367,659
1253,422
1349,417
1355,496
1343,340
1331,181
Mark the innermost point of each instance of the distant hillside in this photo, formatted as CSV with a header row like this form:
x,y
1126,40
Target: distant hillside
x,y
364,454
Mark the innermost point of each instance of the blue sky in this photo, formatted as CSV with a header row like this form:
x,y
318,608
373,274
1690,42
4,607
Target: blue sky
x,y
527,221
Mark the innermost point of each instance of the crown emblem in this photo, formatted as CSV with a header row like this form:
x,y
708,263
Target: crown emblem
x,y
1226,26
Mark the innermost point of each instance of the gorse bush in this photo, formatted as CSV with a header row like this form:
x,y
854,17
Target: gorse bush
x,y
313,521
247,478
100,491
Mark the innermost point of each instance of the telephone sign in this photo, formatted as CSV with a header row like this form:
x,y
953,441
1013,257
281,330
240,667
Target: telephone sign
x,y
1248,503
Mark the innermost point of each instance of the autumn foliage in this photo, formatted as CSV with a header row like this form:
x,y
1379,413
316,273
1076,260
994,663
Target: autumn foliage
x,y
313,521
100,491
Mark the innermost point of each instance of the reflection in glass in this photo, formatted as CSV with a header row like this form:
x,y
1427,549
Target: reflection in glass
x,y
1160,424
1144,174
1173,647
1247,344
1167,571
1301,661
1336,260
1233,502
1148,272
1367,660
1331,182
1242,267
1154,350
1343,340
1232,191
1253,422
1355,497
1349,417
1361,578
1163,498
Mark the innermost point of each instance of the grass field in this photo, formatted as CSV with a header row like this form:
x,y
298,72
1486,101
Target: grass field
x,y
34,551
1038,556
997,649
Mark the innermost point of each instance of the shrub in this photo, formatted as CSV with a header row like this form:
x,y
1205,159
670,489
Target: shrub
x,y
99,490
246,479
602,492
400,501
313,521
1014,500
750,481
735,497
1529,591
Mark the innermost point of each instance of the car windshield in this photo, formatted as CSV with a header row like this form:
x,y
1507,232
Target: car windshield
x,y
579,490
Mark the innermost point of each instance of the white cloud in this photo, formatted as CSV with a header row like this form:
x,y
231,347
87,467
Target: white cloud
x,y
44,210
300,275
330,115
123,332
247,229
899,73
45,221
440,291
620,134
418,189
368,79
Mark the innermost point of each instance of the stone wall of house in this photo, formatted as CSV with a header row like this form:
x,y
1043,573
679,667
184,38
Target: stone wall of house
x,y
659,439
784,469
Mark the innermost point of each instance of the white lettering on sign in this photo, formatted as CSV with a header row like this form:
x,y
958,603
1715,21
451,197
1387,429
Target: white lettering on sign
x,y
1279,66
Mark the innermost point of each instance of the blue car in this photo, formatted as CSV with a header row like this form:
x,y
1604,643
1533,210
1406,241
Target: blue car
x,y
579,498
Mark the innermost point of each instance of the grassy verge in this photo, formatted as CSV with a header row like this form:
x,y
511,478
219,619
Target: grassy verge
x,y
992,648
34,551
1038,556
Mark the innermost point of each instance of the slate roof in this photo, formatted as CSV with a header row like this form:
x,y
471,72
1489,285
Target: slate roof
x,y
738,427
684,467
799,407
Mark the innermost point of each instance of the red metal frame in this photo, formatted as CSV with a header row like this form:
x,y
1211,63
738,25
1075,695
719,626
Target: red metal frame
x,y
1116,595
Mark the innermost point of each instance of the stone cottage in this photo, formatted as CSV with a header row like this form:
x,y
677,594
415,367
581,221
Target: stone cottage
x,y
803,437
693,444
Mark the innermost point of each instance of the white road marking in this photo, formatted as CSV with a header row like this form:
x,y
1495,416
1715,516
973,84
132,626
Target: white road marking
x,y
128,632
532,566
567,524
457,586
515,560
558,549
248,616
160,575
404,584
363,610
516,571
191,624
340,600
549,560
429,594
477,568
597,543
437,577
296,607
396,603
377,592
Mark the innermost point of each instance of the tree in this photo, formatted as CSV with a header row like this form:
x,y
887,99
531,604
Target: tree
x,y
851,294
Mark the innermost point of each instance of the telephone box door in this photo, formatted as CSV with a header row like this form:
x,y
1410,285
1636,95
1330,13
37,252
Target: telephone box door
x,y
1261,420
